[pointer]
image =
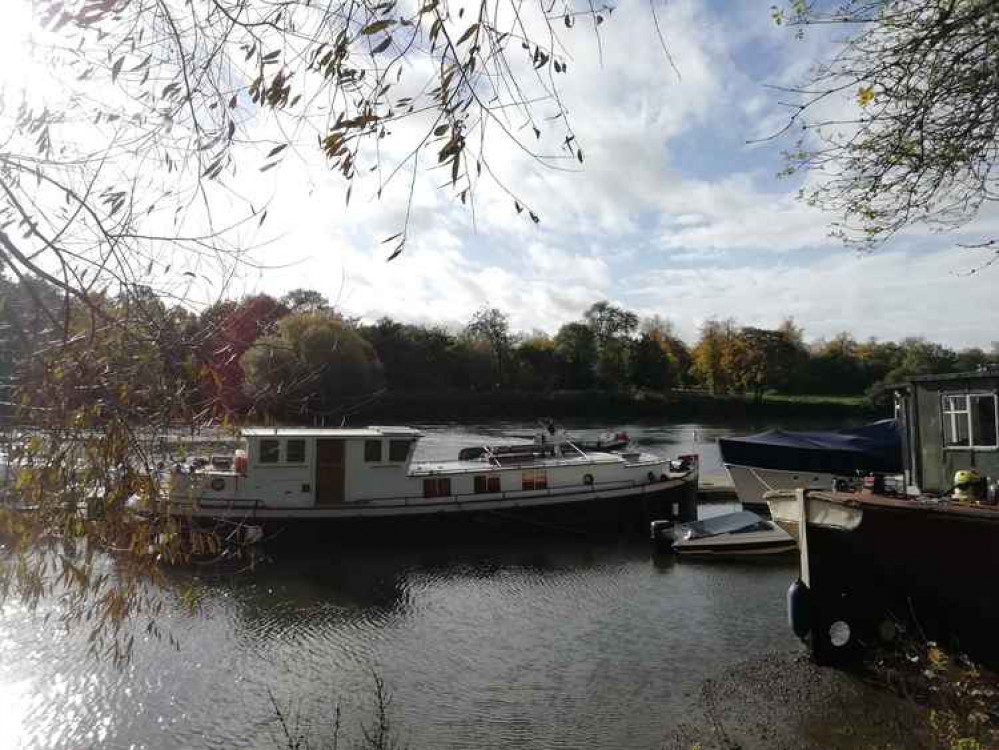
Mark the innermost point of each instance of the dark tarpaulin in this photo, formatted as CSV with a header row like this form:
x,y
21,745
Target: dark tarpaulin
x,y
875,447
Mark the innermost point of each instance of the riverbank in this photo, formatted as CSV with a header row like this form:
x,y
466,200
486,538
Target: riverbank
x,y
906,695
452,405
783,700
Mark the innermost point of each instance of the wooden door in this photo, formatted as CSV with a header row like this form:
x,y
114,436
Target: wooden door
x,y
330,472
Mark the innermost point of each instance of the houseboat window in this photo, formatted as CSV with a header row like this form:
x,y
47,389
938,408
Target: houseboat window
x,y
437,487
535,479
270,451
486,484
398,451
372,451
969,420
294,451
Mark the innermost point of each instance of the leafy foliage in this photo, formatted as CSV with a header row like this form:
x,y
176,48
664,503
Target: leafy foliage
x,y
919,142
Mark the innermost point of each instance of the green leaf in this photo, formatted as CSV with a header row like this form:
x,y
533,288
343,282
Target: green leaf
x,y
440,130
276,150
382,45
374,28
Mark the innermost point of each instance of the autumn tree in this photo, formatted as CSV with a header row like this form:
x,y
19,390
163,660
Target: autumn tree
x,y
715,355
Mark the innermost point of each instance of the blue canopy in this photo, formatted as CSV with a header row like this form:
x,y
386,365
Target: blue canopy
x,y
875,447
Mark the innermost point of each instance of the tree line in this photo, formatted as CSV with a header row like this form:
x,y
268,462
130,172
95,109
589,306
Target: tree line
x,y
297,357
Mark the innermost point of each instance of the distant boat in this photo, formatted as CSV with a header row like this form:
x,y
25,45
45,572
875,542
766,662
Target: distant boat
x,y
787,460
737,534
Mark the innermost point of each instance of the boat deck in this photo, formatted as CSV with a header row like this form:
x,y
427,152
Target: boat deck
x,y
527,461
930,505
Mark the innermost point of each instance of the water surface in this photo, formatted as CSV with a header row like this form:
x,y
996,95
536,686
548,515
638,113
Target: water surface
x,y
535,641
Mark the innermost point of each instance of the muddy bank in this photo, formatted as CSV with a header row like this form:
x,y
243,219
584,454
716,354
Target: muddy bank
x,y
783,700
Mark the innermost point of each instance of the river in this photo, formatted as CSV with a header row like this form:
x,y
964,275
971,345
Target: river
x,y
540,642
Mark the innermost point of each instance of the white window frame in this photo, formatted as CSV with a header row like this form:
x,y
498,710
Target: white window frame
x,y
948,419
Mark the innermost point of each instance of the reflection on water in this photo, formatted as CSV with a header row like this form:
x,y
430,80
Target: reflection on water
x,y
542,642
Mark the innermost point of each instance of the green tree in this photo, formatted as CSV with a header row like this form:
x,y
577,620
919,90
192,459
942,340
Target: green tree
x,y
612,328
491,327
650,366
576,346
312,364
414,357
305,301
538,362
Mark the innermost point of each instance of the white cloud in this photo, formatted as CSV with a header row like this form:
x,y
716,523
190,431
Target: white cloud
x,y
889,295
635,223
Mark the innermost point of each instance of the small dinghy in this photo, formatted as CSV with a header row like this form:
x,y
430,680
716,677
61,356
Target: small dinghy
x,y
730,535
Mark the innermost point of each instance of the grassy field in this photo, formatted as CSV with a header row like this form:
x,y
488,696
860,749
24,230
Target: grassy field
x,y
800,398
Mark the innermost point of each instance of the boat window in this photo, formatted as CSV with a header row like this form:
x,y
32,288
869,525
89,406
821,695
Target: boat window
x,y
398,451
437,487
535,479
270,451
969,420
372,451
485,484
294,452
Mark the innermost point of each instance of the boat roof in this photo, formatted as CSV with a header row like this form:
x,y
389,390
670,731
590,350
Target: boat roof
x,y
987,372
372,431
478,466
722,524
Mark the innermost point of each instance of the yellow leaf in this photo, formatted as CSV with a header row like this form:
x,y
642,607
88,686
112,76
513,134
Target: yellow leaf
x,y
865,95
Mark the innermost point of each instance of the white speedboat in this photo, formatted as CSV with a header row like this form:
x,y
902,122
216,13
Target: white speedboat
x,y
349,474
737,534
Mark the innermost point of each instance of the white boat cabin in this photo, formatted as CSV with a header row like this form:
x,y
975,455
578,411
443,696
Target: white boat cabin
x,y
373,468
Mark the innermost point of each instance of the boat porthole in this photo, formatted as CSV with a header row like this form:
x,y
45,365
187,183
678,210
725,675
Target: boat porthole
x,y
588,479
218,484
839,633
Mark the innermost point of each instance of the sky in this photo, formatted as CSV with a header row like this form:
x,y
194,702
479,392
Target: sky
x,y
675,212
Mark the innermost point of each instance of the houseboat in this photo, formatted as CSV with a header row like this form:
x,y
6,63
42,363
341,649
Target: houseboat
x,y
920,561
341,475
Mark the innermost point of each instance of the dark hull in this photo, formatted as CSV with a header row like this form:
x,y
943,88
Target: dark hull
x,y
596,515
931,570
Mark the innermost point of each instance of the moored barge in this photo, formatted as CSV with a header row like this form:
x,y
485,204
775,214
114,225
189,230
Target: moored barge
x,y
340,476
